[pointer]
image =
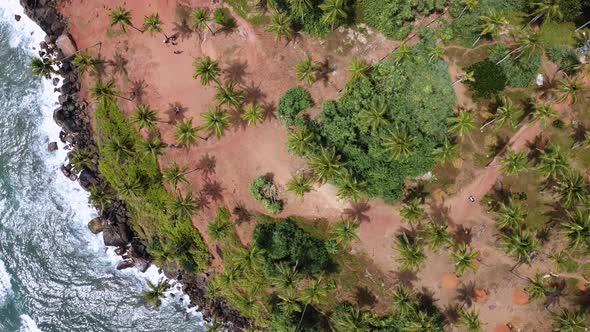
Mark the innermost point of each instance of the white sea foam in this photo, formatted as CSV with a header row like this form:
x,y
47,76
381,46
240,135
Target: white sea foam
x,y
5,286
28,324
28,36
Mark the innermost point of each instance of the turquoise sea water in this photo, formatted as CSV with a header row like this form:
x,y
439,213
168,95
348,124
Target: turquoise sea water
x,y
54,274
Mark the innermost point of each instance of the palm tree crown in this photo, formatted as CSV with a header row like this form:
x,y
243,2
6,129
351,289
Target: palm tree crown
x,y
175,174
399,144
463,259
358,69
463,123
216,121
185,133
326,165
514,162
345,231
144,117
280,25
155,292
306,70
152,23
122,17
253,114
228,95
207,69
334,11
42,67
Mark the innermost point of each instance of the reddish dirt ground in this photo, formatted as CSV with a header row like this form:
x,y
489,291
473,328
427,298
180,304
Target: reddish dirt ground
x,y
263,68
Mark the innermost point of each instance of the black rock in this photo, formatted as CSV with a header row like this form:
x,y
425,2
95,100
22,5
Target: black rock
x,y
55,81
120,251
125,264
73,177
87,179
97,225
65,120
17,18
117,235
52,146
141,264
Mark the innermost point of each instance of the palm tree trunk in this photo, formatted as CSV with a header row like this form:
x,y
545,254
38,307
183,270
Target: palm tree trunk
x,y
509,54
122,97
301,319
477,40
136,28
535,18
487,124
84,49
462,12
582,26
208,27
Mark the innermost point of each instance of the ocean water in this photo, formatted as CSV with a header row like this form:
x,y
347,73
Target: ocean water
x,y
54,274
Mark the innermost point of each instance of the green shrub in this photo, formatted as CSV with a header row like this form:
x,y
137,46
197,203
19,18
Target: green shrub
x,y
262,189
563,263
169,237
284,241
519,71
489,79
394,17
416,95
292,103
565,57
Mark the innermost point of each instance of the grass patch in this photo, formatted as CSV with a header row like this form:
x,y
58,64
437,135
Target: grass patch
x,y
248,11
557,33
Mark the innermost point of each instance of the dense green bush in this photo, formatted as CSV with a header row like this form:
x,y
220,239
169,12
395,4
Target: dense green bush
x,y
565,57
417,97
520,71
489,79
394,17
466,28
284,241
170,237
292,103
263,190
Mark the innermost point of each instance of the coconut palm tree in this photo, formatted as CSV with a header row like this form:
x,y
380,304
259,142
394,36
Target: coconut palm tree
x,y
552,162
403,302
538,286
513,162
220,227
436,52
155,292
435,235
144,117
463,259
289,301
510,216
448,152
412,213
42,67
350,189
334,11
300,184
152,23
568,321
104,91
357,69
84,61
207,69
399,144
313,294
572,88
175,174
81,158
250,259
572,189
410,253
469,320
253,114
505,114
229,277
529,42
183,207
199,18
463,123
100,196
300,7
122,148
422,321
300,141
122,17
549,8
469,5
543,113
281,26
402,53
326,165
345,231
306,71
577,228
492,25
185,133
216,121
520,244
228,95
373,118
286,276
130,187
153,146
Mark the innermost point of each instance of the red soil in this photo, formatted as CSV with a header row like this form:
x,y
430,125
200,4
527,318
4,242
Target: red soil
x,y
449,280
519,296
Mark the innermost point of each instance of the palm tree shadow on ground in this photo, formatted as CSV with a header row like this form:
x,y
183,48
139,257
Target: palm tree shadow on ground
x,y
357,211
206,165
171,112
242,214
364,297
406,278
463,235
236,120
137,90
253,93
270,111
465,293
236,71
214,190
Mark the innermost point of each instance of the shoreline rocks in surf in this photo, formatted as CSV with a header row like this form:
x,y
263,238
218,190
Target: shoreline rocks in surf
x,y
74,118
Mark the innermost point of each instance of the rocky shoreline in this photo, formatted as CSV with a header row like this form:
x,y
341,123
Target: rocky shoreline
x,y
74,117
